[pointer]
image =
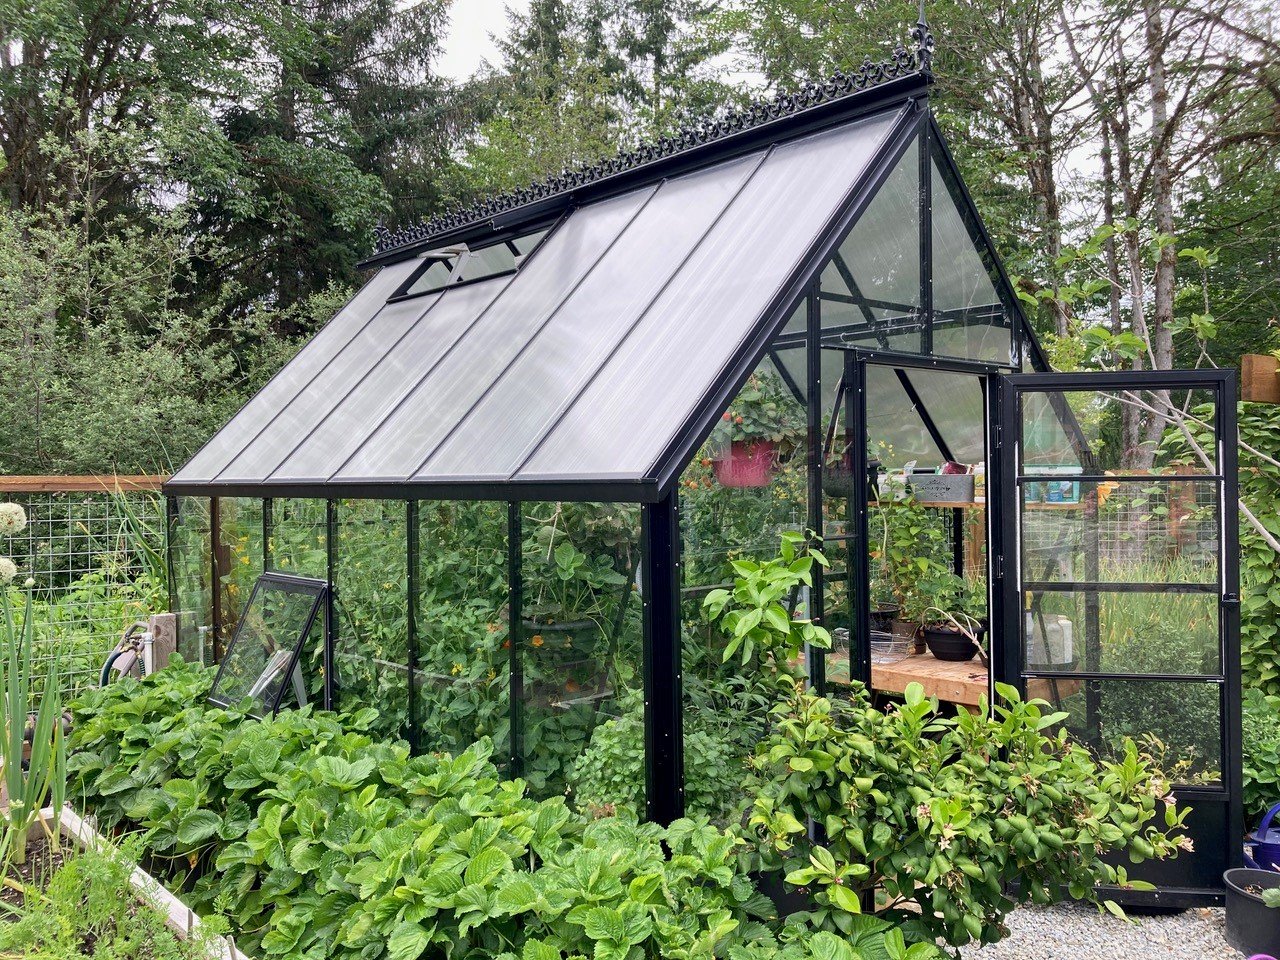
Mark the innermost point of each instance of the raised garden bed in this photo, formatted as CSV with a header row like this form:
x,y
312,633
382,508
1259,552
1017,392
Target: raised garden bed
x,y
80,834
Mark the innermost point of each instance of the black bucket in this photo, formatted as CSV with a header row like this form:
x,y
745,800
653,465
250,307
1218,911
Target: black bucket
x,y
1252,926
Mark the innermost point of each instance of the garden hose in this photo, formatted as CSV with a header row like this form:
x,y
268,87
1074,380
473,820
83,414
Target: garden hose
x,y
127,654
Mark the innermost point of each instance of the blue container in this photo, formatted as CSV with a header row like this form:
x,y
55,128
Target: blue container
x,y
1262,847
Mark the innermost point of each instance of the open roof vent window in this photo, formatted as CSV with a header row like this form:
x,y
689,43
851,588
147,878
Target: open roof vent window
x,y
432,276
459,264
497,258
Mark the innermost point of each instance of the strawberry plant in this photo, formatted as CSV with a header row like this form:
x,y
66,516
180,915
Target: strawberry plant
x,y
317,842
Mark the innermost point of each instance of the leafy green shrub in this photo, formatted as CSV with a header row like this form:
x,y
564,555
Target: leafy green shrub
x,y
610,775
957,819
1261,739
315,842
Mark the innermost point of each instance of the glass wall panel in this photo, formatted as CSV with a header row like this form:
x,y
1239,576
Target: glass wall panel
x,y
1090,431
870,290
1120,531
371,645
1178,721
238,552
1151,632
580,647
734,506
192,576
462,679
970,320
298,543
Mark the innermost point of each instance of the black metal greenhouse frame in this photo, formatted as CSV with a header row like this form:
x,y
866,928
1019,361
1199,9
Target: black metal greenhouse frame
x,y
656,493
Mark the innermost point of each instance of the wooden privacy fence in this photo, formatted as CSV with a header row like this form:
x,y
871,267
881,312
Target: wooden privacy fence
x,y
94,546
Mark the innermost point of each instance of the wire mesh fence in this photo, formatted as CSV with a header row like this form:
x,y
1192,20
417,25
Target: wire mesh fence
x,y
94,549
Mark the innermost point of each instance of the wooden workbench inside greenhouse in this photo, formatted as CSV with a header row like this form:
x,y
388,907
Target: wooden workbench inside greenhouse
x,y
963,682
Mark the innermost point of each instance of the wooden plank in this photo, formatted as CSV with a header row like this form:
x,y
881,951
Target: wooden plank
x,y
955,682
963,682
95,483
1259,379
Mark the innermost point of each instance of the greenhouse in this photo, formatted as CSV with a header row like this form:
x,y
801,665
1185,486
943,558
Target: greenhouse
x,y
491,497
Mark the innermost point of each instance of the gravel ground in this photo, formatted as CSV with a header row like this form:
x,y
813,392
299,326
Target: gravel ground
x,y
1078,932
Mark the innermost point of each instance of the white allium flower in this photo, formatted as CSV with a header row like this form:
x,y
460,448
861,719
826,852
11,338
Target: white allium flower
x,y
8,570
13,519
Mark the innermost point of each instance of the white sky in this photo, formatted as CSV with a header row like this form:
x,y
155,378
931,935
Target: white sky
x,y
468,43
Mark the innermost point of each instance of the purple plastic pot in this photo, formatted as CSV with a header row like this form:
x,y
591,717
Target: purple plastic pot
x,y
1262,847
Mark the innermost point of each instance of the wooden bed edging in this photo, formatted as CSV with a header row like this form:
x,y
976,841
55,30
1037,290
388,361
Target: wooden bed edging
x,y
179,918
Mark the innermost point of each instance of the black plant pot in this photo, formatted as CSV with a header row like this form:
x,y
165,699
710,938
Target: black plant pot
x,y
883,616
949,644
786,898
1252,926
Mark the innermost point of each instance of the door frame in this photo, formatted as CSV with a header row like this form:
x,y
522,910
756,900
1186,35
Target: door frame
x,y
1007,667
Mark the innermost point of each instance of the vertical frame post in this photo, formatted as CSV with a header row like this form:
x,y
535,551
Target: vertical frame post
x,y
859,583
925,148
663,697
267,526
331,602
1229,619
412,590
170,537
515,667
215,571
816,660
1004,553
999,668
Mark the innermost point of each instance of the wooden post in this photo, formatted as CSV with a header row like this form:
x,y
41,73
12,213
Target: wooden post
x,y
164,638
1259,379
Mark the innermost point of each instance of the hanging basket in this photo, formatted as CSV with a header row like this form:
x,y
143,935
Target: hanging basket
x,y
837,478
750,463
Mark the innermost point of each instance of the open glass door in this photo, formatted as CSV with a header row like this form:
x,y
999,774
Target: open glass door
x,y
1120,572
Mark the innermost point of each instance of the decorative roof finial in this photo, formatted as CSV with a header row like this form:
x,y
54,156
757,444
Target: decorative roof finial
x,y
923,38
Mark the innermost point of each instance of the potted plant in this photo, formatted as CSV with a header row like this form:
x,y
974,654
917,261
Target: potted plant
x,y
759,425
945,607
1253,910
884,603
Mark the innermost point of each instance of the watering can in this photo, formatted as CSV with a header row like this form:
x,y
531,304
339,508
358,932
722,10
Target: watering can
x,y
1262,847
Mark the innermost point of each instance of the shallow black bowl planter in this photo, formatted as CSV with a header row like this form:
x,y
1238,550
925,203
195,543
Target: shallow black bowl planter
x,y
1252,926
949,644
882,617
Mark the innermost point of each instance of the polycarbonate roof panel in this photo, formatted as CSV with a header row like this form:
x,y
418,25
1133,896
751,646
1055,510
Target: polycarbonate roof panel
x,y
370,401
319,352
394,448
584,365
545,380
640,398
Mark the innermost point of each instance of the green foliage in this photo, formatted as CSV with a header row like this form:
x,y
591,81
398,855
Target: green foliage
x,y
1260,726
912,549
959,818
316,842
754,614
86,902
1259,426
611,773
41,778
764,409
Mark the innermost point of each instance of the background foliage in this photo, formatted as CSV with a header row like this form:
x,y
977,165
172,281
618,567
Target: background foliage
x,y
182,205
